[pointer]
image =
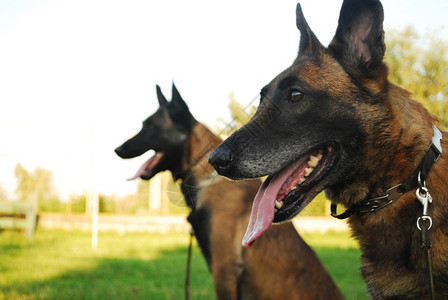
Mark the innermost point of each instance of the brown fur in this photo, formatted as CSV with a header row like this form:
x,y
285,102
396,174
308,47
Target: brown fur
x,y
280,265
393,260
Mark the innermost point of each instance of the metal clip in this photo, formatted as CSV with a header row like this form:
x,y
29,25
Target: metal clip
x,y
425,198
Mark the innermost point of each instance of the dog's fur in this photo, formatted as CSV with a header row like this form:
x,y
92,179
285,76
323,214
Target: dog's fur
x,y
373,136
280,266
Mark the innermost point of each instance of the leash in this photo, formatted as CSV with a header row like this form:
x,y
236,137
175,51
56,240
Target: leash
x,y
187,273
424,222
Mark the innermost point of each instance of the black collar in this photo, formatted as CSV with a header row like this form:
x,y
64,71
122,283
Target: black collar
x,y
394,193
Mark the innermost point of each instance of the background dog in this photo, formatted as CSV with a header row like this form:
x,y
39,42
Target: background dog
x,y
333,121
280,266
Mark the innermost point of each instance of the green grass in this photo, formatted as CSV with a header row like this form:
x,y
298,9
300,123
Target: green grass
x,y
340,254
61,265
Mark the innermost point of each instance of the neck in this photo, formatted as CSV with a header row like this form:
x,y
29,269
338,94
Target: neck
x,y
393,149
196,169
200,144
417,181
389,238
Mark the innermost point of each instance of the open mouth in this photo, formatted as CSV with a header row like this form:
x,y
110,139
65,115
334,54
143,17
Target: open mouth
x,y
147,171
284,194
308,173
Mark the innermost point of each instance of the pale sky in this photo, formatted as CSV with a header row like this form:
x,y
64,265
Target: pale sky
x,y
77,78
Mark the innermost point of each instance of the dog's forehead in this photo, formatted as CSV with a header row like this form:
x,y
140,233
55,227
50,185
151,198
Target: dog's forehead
x,y
159,116
323,72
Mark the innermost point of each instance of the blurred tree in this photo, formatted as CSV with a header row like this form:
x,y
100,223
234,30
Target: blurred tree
x,y
172,199
240,115
106,204
3,194
420,65
51,204
143,192
25,184
135,203
37,187
77,203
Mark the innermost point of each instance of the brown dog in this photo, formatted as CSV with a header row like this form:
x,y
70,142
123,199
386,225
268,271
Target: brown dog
x,y
332,121
280,266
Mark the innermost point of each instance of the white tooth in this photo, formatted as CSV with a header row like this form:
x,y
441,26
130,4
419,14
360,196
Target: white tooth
x,y
275,210
314,160
319,156
301,180
278,204
293,188
308,171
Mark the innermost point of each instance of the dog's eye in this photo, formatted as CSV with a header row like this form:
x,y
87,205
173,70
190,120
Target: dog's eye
x,y
295,96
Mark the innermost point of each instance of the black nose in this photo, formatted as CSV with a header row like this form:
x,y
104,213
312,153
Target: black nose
x,y
220,159
119,151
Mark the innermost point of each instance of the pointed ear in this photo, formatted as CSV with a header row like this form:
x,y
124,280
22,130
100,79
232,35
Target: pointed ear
x,y
176,98
160,96
359,40
179,111
309,44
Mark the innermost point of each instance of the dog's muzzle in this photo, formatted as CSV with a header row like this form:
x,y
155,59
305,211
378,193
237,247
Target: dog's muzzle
x,y
221,160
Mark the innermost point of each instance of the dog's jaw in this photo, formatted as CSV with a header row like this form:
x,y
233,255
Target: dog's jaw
x,y
284,194
146,171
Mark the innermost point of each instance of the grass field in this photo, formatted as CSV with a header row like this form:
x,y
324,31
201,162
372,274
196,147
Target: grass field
x,y
61,265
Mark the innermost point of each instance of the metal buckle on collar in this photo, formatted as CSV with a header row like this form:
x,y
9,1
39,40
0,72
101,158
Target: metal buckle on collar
x,y
375,204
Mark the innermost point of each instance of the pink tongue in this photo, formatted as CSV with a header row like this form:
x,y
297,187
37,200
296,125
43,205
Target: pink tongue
x,y
146,166
263,207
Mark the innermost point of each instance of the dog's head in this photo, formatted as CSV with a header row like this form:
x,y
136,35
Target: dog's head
x,y
308,133
165,132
